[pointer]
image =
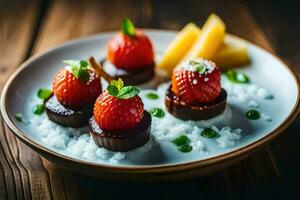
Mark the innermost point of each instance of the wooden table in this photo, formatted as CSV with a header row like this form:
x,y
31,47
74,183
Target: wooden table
x,y
29,27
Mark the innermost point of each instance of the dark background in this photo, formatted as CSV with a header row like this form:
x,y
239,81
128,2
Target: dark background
x,y
28,27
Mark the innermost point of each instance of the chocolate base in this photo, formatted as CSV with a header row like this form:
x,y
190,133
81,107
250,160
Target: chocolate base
x,y
58,113
130,77
197,111
125,140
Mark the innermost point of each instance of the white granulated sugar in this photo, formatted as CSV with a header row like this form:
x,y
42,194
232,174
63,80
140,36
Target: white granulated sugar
x,y
252,89
253,104
195,81
75,142
263,93
228,137
117,157
266,117
206,79
243,92
187,65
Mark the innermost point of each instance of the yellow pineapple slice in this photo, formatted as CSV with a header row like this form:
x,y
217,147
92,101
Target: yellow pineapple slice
x,y
233,53
178,47
209,41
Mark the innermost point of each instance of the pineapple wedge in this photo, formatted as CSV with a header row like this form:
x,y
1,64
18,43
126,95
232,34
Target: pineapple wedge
x,y
209,41
232,53
178,47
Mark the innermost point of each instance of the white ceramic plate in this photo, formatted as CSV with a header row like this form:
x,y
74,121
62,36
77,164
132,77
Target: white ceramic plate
x,y
265,70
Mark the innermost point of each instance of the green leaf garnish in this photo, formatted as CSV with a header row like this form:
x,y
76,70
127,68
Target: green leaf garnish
x,y
117,89
113,90
183,144
157,112
201,69
151,95
127,92
181,140
19,117
185,148
118,83
39,109
44,93
79,68
127,27
237,77
209,133
253,114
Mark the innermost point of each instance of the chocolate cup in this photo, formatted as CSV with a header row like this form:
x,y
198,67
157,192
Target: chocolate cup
x,y
197,111
130,77
124,140
58,113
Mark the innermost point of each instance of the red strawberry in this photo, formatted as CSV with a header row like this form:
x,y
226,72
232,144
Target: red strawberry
x,y
130,49
76,86
197,80
118,108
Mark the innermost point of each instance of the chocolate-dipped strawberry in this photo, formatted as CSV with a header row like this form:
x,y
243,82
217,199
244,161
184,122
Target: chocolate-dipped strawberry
x,y
195,92
130,55
120,122
74,91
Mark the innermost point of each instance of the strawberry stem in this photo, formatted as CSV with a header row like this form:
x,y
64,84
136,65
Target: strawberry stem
x,y
127,27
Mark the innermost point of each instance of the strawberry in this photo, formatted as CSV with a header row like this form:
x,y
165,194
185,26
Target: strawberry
x,y
118,108
76,86
130,48
196,80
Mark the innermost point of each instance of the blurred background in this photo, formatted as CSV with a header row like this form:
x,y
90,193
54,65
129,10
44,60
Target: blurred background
x,y
31,26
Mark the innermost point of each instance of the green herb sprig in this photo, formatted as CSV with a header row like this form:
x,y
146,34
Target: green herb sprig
x,y
253,114
183,144
79,68
117,89
152,96
237,77
38,109
209,133
157,112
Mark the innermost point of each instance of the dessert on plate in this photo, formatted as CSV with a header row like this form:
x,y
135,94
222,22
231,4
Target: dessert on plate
x,y
130,56
195,92
74,91
120,122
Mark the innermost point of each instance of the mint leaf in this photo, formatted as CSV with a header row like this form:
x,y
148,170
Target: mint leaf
x,y
127,27
117,89
181,140
113,90
157,112
151,95
209,133
118,83
183,144
237,77
128,92
185,148
201,69
39,109
44,93
253,114
79,68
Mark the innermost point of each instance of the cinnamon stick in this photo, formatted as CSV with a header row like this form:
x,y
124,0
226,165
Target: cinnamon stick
x,y
99,70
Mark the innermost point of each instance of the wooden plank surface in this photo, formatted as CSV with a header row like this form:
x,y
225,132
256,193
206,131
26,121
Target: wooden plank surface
x,y
24,175
18,21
